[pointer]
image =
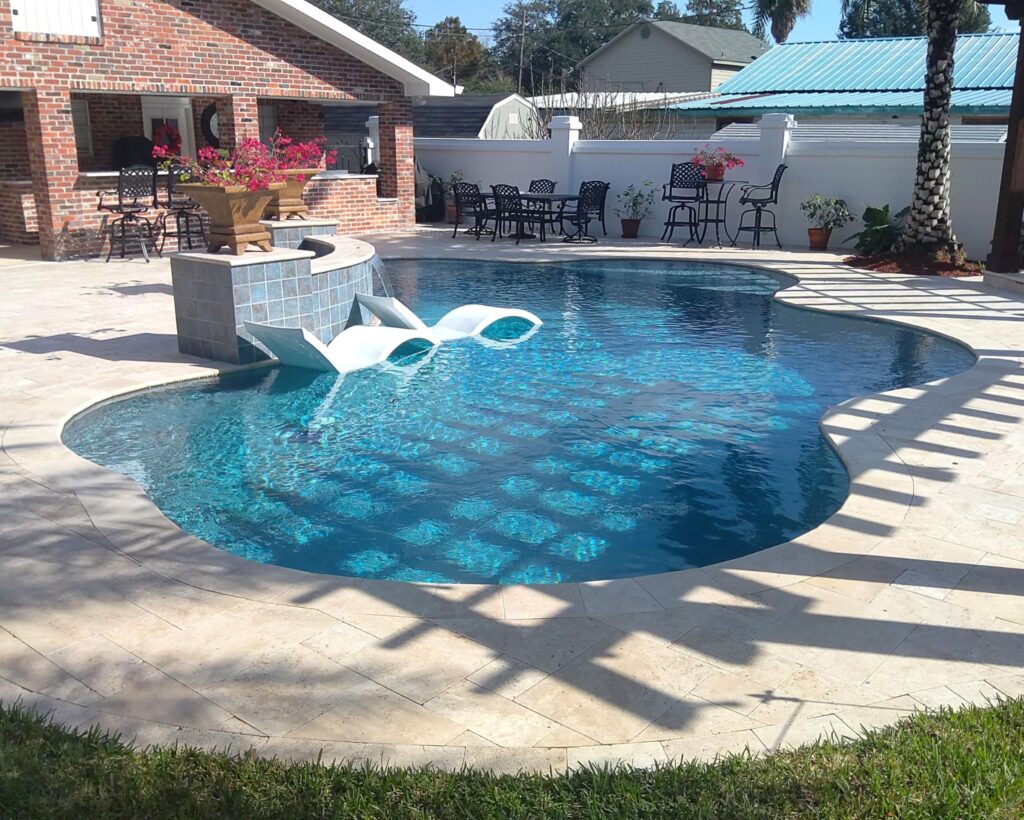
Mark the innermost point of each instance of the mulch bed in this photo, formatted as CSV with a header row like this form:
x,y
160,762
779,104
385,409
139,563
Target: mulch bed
x,y
921,266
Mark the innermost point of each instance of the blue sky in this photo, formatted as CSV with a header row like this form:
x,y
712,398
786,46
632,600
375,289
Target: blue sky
x,y
821,24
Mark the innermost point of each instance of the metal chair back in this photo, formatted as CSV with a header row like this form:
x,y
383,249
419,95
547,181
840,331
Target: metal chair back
x,y
507,199
467,197
592,196
136,185
542,186
776,182
685,182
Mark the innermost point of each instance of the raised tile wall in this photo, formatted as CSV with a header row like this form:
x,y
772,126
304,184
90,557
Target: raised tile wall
x,y
213,300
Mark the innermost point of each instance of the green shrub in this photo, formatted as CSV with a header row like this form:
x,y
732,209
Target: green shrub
x,y
881,231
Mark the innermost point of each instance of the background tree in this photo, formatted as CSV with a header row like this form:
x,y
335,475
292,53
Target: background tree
x,y
558,34
779,16
453,52
388,22
667,10
717,13
903,18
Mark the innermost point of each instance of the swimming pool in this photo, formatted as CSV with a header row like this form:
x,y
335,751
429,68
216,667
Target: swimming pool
x,y
664,416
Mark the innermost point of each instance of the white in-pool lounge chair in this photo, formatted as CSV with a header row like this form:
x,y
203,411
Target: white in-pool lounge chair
x,y
360,346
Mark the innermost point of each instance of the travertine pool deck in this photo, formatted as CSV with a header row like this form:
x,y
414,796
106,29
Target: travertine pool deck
x,y
911,596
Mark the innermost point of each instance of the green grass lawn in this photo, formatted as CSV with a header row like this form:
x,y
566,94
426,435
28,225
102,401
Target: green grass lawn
x,y
966,764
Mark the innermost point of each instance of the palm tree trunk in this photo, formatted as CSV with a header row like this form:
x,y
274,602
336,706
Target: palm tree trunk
x,y
929,227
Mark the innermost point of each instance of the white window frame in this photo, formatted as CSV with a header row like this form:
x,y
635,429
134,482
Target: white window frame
x,y
82,125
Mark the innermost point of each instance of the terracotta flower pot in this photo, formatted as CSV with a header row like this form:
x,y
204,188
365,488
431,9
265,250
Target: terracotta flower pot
x,y
715,173
630,228
287,202
235,214
452,212
818,238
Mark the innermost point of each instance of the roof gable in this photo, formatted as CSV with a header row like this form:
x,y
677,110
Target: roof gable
x,y
983,61
717,44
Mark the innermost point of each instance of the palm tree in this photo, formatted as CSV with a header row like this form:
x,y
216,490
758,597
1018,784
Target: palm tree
x,y
929,228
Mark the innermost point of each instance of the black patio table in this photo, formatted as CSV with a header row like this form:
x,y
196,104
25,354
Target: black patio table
x,y
716,198
545,200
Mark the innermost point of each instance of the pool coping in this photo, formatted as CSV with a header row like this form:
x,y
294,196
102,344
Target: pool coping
x,y
882,492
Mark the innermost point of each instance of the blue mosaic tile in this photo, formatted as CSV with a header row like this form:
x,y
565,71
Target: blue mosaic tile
x,y
454,465
619,522
489,446
560,417
526,527
579,546
522,429
368,563
424,533
570,502
588,449
479,557
472,509
638,461
403,483
533,574
519,486
604,482
418,576
553,466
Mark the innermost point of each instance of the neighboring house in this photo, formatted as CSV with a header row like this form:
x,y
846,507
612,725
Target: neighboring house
x,y
471,116
78,75
876,80
665,56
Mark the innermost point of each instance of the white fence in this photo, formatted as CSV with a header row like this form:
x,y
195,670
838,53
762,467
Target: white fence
x,y
863,172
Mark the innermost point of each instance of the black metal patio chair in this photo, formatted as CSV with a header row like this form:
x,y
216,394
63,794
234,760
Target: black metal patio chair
x,y
542,186
136,193
685,189
509,210
188,220
588,208
759,198
470,202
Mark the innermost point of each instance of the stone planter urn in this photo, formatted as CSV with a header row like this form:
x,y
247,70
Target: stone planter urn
x,y
287,202
235,214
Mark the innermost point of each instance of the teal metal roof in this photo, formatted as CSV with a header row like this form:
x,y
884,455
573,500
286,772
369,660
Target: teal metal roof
x,y
843,102
882,64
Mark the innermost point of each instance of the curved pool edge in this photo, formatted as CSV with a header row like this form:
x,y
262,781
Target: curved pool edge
x,y
882,493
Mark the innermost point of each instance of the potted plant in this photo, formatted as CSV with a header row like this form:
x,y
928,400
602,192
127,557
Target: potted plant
x,y
233,188
634,204
449,193
299,162
714,162
827,214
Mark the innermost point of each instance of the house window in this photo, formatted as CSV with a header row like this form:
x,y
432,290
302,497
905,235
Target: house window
x,y
64,17
268,121
83,129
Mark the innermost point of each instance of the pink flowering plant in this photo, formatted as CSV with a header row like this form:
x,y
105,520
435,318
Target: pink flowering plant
x,y
290,154
708,157
251,165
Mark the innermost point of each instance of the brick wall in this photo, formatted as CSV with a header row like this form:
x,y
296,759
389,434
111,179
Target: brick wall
x,y
300,120
18,213
354,203
13,151
231,50
111,116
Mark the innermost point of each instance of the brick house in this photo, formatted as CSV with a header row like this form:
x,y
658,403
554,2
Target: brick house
x,y
77,75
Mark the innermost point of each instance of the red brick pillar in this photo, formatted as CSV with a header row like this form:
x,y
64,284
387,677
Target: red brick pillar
x,y
53,161
237,118
395,152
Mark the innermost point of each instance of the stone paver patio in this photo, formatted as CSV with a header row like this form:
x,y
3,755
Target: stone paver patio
x,y
911,596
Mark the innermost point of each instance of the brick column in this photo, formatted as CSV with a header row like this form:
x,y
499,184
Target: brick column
x,y
395,156
53,161
237,118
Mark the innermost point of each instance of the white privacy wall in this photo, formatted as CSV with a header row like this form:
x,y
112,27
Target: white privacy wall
x,y
861,172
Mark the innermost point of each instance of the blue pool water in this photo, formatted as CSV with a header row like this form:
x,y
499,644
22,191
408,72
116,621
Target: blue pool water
x,y
664,416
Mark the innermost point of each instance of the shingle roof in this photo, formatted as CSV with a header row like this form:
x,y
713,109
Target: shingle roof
x,y
461,116
718,44
857,75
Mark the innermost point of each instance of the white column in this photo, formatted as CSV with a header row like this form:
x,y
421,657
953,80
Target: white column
x,y
565,131
775,135
373,140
